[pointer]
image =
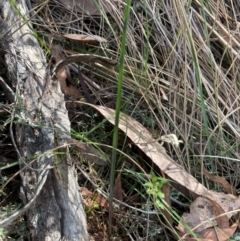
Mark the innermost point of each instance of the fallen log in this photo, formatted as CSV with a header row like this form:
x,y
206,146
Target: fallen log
x,y
53,204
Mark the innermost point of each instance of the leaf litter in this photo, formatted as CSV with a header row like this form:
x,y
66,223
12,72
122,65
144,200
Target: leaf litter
x,y
210,213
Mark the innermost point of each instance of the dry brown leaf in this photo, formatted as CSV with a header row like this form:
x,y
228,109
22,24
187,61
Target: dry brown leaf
x,y
201,211
204,214
215,226
117,189
85,192
68,90
229,189
87,152
91,197
63,75
217,234
166,190
83,58
101,201
223,231
83,38
214,234
228,202
187,237
222,220
144,140
141,137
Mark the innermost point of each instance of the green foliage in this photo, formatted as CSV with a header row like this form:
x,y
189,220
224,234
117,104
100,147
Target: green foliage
x,y
118,107
176,55
2,233
154,187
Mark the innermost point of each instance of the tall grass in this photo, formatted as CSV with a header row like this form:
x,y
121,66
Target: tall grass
x,y
118,108
178,73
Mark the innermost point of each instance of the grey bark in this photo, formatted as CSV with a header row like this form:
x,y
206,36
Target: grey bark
x,y
48,179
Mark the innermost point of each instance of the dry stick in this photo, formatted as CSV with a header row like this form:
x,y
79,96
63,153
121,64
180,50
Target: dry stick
x,y
10,219
83,58
91,82
44,102
227,44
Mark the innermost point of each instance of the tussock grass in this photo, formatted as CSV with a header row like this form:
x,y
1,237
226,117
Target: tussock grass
x,y
187,51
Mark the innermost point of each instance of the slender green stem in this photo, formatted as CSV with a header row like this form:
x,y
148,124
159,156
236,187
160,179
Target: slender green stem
x,y
118,107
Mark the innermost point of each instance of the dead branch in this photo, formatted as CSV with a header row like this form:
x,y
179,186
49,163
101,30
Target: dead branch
x,y
57,212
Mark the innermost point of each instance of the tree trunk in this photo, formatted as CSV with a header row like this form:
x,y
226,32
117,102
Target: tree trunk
x,y
42,134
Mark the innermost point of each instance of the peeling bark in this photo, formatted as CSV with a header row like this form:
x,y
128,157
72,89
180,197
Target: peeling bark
x,y
57,212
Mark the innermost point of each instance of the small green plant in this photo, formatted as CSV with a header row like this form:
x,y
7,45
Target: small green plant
x,y
2,233
154,187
